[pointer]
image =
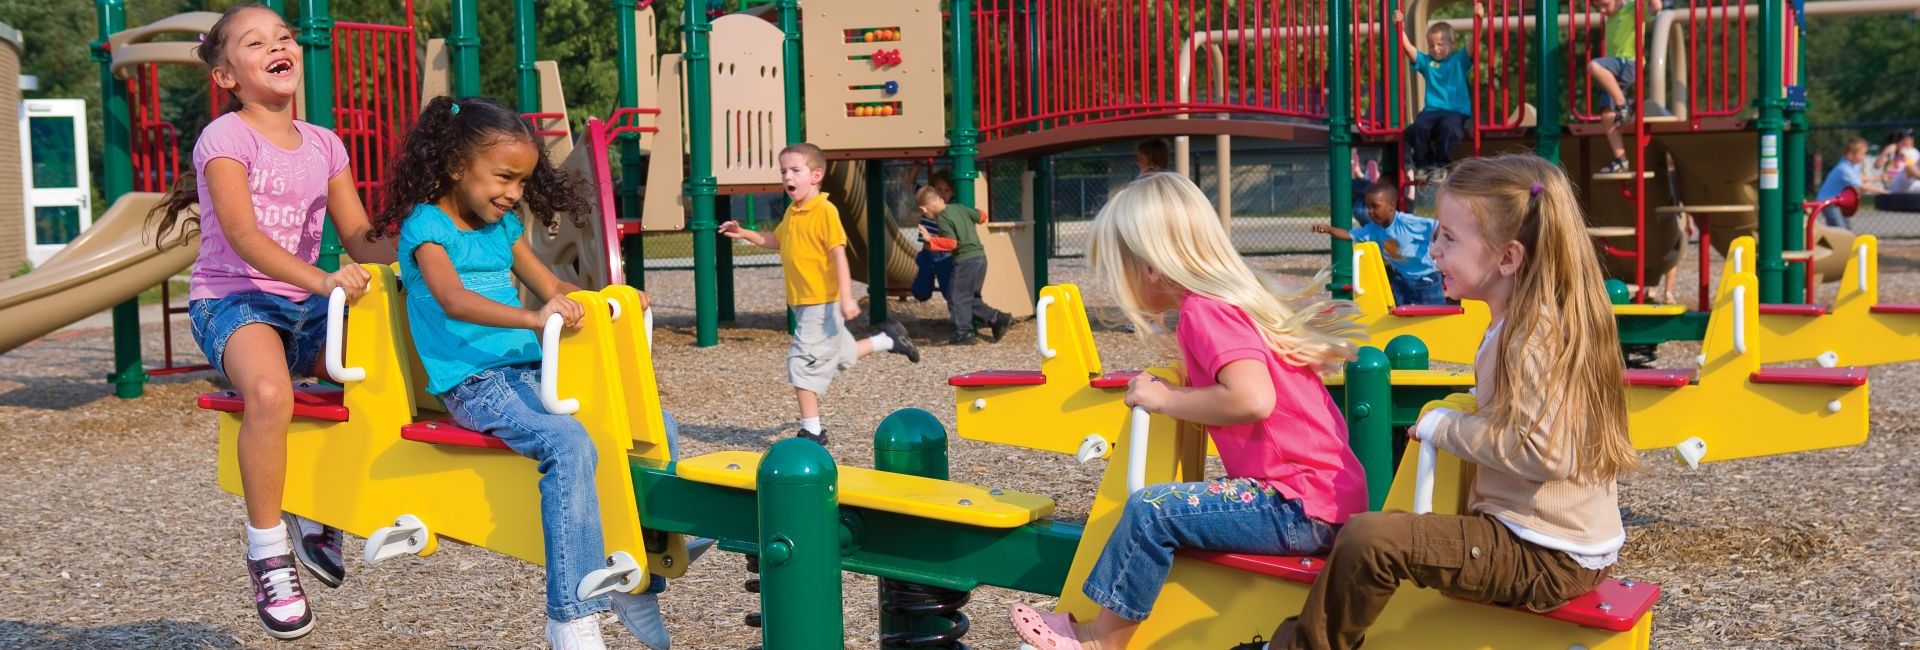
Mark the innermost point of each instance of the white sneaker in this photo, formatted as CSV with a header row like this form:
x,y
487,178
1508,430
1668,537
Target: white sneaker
x,y
641,614
578,634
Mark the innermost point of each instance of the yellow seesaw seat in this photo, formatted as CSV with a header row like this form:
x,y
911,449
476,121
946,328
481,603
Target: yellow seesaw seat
x,y
359,473
1857,329
1452,333
1215,600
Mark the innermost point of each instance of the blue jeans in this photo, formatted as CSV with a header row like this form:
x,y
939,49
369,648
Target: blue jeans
x,y
302,326
1417,291
1232,515
505,402
1832,217
936,274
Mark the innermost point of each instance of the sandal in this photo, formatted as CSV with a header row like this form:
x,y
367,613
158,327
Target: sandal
x,y
1044,631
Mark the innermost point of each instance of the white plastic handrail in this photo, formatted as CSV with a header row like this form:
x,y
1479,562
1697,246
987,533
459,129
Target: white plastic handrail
x,y
1358,289
615,306
1740,319
646,321
1423,480
1137,450
550,369
1860,274
336,333
1040,322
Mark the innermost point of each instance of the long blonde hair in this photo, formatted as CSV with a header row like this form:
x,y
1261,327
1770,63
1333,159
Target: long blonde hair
x,y
1162,222
1558,315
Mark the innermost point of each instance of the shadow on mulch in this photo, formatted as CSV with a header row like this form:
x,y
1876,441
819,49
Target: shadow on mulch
x,y
64,393
735,437
142,635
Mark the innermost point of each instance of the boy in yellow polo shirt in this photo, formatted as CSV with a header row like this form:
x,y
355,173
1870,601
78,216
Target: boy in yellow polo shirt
x,y
813,257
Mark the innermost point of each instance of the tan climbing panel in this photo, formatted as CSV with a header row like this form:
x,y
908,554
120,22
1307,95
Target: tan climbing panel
x,y
854,49
665,208
436,71
553,101
647,72
749,107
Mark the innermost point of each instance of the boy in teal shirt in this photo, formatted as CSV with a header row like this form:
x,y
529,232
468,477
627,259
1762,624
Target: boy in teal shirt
x,y
1448,109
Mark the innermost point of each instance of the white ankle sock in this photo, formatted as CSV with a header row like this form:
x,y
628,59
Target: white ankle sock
x,y
811,425
267,542
881,342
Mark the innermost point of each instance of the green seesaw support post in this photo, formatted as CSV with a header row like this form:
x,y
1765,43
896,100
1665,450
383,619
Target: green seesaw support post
x,y
799,540
129,376
1339,144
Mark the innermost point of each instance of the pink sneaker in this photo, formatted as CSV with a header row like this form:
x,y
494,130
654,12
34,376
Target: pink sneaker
x,y
278,599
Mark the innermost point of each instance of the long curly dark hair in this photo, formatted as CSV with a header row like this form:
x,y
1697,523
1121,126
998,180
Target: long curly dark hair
x,y
445,138
185,192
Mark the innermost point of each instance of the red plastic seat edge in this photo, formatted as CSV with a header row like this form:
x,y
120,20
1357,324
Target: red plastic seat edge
x,y
441,432
1895,308
1658,377
1790,309
1115,379
986,378
316,403
1428,310
1843,376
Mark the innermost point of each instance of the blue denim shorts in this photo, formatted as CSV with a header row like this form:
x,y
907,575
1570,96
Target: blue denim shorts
x,y
1624,71
302,326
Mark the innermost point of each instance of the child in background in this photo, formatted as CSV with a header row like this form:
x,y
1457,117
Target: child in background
x,y
463,174
264,183
1894,156
935,258
1618,70
1845,174
812,245
1151,155
1405,239
1448,109
1251,353
1545,523
964,303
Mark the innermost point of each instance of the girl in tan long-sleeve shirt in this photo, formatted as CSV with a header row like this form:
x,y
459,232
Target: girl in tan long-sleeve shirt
x,y
1548,429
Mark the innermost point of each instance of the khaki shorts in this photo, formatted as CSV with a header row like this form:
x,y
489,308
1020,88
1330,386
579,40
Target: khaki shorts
x,y
822,347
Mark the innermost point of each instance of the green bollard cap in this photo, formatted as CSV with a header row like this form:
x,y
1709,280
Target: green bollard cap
x,y
1369,358
1618,292
910,430
796,461
1407,351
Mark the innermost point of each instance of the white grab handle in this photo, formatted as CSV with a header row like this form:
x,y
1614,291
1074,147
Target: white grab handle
x,y
336,333
1040,321
1137,450
646,319
1860,274
1740,319
1358,289
1423,480
615,304
1738,254
550,370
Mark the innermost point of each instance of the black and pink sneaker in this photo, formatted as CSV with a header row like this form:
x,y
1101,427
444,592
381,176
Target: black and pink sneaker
x,y
318,552
278,599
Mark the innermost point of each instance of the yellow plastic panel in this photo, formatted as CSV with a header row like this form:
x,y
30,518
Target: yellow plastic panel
x,y
1648,310
888,492
1450,338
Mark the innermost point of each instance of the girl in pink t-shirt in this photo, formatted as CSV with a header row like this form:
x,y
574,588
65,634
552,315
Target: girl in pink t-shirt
x,y
263,182
1250,353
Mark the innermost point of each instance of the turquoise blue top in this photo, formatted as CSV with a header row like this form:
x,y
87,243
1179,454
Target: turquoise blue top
x,y
1415,235
1446,82
454,350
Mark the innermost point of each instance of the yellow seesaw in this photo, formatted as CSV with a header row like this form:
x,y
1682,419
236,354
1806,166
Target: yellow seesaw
x,y
1857,329
363,458
1215,600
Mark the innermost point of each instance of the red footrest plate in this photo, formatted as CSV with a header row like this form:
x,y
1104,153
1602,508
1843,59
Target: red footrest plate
x,y
1895,309
309,401
984,378
1792,310
1115,379
1848,376
1428,310
1661,378
442,432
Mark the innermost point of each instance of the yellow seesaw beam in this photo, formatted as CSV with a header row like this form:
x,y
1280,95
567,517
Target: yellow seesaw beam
x,y
1857,330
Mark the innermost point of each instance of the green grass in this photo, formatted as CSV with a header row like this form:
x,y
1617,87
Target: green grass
x,y
176,285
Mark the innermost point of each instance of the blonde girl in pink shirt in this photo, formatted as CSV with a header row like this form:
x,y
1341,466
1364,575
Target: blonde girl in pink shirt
x,y
1251,353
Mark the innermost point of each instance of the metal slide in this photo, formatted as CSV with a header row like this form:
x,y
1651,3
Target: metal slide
x,y
111,262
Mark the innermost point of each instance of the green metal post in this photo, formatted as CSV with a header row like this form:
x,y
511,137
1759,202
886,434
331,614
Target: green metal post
x,y
1340,142
1547,87
1771,267
911,441
316,47
1407,352
1042,219
1369,397
129,376
1793,173
278,6
463,46
877,240
633,253
963,137
700,184
790,57
525,50
723,259
799,543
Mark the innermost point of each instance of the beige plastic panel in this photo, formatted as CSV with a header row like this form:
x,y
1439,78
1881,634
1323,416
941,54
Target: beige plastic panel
x,y
436,71
553,99
577,254
665,207
647,73
135,46
920,120
749,110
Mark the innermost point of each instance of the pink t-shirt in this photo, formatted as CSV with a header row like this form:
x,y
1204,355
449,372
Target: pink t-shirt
x,y
289,188
1301,448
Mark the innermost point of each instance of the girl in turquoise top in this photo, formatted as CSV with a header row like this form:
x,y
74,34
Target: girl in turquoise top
x,y
465,169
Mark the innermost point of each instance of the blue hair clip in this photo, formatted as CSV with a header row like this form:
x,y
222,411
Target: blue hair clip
x,y
455,110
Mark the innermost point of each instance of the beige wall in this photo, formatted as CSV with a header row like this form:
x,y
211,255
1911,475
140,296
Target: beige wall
x,y
13,235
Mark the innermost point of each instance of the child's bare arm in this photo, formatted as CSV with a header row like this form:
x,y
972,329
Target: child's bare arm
x,y
849,305
767,240
1244,394
233,205
350,221
1330,231
1406,43
462,304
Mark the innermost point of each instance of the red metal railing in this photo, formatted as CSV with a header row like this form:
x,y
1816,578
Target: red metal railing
x,y
1051,63
1499,85
1717,58
155,143
376,95
601,134
1381,76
